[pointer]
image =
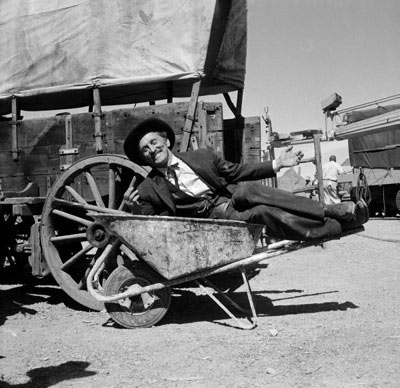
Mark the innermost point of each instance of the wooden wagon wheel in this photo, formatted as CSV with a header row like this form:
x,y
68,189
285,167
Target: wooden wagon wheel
x,y
100,181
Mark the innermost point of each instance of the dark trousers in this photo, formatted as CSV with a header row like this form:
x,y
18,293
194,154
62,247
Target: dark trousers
x,y
284,214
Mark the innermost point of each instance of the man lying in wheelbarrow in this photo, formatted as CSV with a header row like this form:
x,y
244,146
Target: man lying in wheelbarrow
x,y
199,184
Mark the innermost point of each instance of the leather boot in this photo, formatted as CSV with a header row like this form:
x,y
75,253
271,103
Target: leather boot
x,y
344,211
361,216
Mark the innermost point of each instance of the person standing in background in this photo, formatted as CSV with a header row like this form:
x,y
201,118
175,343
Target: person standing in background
x,y
330,172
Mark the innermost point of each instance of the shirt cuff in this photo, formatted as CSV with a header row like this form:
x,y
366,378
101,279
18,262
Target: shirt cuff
x,y
274,166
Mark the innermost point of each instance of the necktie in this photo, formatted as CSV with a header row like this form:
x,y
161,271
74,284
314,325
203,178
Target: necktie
x,y
171,174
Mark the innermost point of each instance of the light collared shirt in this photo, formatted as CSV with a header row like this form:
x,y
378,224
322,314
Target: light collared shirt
x,y
331,170
189,182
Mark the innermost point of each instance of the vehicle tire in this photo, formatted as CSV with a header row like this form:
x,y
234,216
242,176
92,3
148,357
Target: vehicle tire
x,y
398,200
144,310
99,180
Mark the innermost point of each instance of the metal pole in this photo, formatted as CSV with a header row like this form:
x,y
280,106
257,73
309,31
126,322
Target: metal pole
x,y
270,154
318,166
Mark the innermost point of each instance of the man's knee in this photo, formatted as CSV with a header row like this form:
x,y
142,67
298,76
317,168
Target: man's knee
x,y
250,189
258,214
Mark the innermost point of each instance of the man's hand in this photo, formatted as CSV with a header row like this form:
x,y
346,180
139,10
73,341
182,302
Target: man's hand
x,y
131,198
288,158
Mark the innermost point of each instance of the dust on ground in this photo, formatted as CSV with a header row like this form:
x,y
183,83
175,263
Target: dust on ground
x,y
328,317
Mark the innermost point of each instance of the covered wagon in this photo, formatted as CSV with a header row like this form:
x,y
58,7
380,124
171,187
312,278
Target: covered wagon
x,y
94,69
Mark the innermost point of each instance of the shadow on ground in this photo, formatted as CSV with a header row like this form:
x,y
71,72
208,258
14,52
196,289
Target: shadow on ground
x,y
16,297
189,307
51,375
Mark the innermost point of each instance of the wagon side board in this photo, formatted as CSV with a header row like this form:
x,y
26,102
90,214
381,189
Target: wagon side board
x,y
44,151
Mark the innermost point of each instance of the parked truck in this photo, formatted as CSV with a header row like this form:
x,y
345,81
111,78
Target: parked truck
x,y
373,133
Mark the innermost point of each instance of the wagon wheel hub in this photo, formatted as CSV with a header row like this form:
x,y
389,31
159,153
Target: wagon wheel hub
x,y
96,235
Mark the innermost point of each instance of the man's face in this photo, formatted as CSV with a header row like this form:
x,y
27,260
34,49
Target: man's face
x,y
154,149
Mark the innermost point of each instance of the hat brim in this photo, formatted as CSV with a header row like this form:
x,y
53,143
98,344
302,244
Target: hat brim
x,y
131,144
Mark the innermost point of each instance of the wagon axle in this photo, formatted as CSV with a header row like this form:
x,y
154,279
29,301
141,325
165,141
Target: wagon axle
x,y
97,235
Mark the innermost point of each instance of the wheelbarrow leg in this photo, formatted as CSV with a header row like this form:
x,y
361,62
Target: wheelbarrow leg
x,y
232,302
253,322
249,294
223,295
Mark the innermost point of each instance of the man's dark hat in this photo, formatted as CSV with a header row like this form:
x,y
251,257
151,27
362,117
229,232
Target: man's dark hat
x,y
131,144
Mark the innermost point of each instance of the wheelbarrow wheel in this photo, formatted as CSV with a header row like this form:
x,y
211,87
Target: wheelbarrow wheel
x,y
100,181
144,310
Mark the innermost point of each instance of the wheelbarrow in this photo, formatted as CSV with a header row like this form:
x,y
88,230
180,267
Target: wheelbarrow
x,y
166,252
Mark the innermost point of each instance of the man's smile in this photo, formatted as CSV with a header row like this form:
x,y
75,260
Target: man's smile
x,y
155,154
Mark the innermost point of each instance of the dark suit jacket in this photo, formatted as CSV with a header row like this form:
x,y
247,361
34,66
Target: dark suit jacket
x,y
216,173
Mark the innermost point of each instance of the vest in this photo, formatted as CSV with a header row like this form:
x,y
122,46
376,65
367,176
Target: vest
x,y
188,206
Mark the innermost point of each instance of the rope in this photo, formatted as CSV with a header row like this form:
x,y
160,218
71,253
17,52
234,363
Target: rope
x,y
362,190
383,199
382,178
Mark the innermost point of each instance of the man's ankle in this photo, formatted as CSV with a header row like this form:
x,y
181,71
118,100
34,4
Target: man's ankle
x,y
340,211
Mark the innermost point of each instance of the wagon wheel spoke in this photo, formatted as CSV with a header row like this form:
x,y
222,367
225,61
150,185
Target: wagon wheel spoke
x,y
71,217
77,205
111,187
68,238
95,190
82,281
75,194
79,255
123,206
94,184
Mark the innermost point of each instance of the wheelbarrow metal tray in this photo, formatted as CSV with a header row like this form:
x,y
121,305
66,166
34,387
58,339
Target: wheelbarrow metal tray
x,y
177,246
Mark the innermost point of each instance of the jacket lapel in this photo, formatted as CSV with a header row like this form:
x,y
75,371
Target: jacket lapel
x,y
200,164
163,192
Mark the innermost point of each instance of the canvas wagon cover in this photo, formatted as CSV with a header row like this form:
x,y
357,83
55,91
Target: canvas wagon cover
x,y
376,150
54,52
374,137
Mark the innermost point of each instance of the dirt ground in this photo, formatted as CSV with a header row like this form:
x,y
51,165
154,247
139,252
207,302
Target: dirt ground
x,y
328,317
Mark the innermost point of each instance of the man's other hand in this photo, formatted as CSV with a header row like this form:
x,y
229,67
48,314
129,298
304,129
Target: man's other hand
x,y
131,198
288,158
